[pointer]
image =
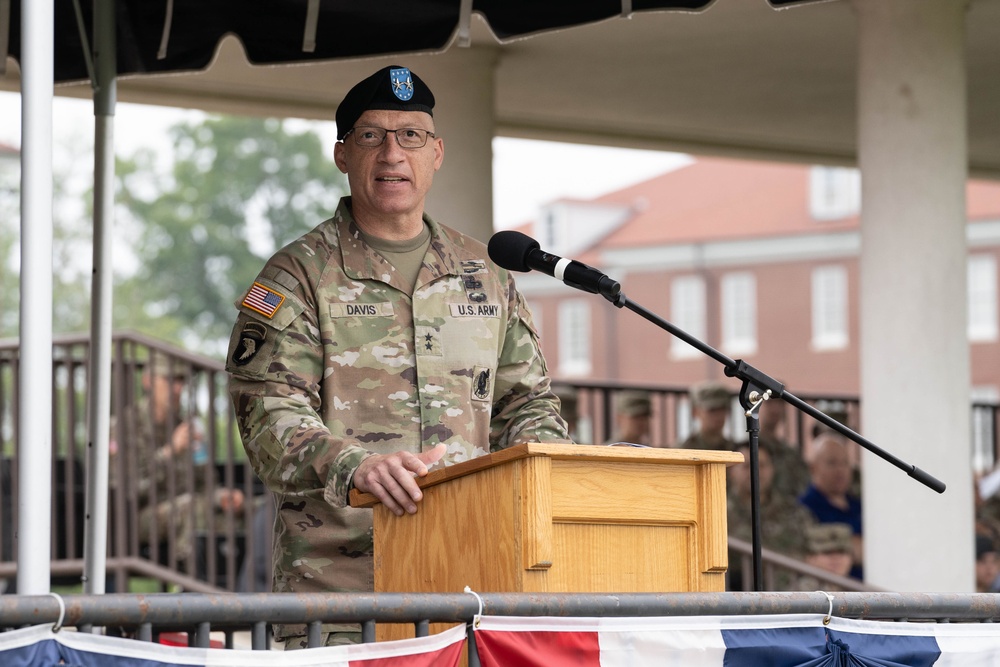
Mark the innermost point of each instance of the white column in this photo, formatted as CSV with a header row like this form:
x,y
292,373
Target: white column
x,y
463,85
34,425
914,349
95,538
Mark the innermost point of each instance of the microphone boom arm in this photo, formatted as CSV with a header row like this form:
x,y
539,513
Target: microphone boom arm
x,y
755,380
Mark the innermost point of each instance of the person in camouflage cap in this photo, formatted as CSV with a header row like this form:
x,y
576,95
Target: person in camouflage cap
x,y
783,520
378,345
710,404
633,412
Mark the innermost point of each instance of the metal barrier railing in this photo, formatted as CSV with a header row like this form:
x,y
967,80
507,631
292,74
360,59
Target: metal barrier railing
x,y
234,553
145,616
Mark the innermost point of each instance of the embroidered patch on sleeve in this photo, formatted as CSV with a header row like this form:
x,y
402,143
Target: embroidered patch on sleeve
x,y
264,300
251,340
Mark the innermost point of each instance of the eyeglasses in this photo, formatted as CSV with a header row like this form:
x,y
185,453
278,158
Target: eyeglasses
x,y
406,137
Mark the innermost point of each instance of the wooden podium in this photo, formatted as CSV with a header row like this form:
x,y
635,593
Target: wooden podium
x,y
561,519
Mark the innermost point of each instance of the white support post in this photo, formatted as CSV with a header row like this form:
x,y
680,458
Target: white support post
x,y
462,195
914,349
34,424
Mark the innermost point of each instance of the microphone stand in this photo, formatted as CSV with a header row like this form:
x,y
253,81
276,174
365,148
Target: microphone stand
x,y
757,388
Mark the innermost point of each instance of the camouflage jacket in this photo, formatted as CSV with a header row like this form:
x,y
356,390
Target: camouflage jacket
x,y
783,522
698,441
331,360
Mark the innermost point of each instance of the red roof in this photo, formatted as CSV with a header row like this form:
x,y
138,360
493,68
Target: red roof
x,y
718,198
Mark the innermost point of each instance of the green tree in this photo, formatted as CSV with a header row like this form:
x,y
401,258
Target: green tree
x,y
239,189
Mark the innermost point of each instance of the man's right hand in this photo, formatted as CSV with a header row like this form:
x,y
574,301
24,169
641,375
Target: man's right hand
x,y
390,477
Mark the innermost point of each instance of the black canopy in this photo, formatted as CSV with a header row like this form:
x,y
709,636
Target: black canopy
x,y
182,35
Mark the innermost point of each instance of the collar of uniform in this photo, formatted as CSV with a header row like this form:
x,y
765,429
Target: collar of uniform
x,y
362,262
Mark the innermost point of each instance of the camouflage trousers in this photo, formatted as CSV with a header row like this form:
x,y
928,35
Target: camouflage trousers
x,y
326,638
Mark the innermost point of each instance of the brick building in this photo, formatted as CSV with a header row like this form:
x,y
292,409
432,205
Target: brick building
x,y
758,259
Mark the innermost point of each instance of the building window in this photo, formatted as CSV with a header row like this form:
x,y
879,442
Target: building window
x,y
983,401
574,337
829,308
834,192
687,312
739,313
982,292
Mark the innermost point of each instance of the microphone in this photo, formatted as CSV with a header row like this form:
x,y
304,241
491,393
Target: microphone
x,y
515,251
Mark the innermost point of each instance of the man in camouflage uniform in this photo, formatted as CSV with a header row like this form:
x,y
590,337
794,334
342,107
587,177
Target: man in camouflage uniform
x,y
710,404
633,412
376,345
172,499
782,518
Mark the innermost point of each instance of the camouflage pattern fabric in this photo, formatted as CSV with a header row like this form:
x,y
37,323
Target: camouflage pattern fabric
x,y
783,522
333,360
698,441
157,469
172,499
791,474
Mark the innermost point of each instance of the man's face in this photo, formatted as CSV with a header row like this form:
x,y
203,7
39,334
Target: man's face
x,y
712,420
739,474
831,469
987,570
634,428
387,181
838,562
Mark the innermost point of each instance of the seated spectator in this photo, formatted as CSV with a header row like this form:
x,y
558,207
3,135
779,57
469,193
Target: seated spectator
x,y
829,496
710,405
782,518
829,547
792,473
987,565
172,500
632,415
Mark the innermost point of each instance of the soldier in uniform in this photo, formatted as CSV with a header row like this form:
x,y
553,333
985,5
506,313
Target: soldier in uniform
x,y
710,403
791,474
378,345
633,411
163,446
783,519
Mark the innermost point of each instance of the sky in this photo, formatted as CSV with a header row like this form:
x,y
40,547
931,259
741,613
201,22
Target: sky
x,y
523,175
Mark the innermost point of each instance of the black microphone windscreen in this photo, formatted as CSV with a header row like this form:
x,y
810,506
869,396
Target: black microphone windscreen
x,y
510,249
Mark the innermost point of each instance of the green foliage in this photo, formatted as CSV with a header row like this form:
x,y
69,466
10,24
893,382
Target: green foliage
x,y
239,189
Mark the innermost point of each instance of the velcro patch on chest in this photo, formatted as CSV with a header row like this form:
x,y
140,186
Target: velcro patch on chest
x,y
383,309
475,310
482,383
428,341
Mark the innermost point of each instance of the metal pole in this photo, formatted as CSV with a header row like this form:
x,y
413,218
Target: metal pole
x,y
99,380
34,424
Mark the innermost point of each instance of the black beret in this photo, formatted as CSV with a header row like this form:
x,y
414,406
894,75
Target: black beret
x,y
393,88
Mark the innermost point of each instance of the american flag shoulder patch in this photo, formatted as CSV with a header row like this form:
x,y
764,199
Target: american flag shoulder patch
x,y
264,300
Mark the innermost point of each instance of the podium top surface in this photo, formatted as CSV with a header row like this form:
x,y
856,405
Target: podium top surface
x,y
602,453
